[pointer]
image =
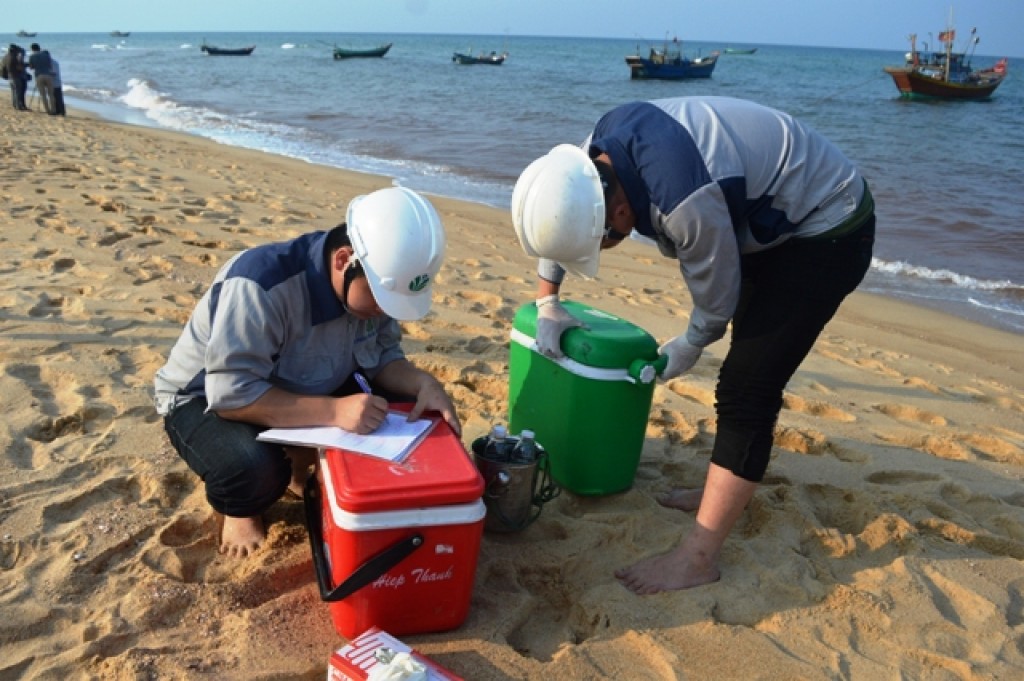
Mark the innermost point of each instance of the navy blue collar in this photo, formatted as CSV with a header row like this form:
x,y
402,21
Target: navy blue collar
x,y
323,301
629,179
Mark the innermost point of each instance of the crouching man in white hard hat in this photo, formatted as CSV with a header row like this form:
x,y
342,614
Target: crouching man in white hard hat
x,y
279,335
772,228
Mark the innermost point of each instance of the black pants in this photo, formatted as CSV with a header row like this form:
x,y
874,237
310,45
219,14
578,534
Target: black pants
x,y
788,294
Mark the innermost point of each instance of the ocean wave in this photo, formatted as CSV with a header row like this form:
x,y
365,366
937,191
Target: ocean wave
x,y
1003,309
145,96
955,278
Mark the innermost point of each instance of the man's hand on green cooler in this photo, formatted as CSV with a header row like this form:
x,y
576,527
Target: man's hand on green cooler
x,y
552,321
681,357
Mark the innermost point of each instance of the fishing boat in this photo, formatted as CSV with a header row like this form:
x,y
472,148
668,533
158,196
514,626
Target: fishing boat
x,y
737,50
347,53
227,51
668,63
494,59
25,34
120,34
945,74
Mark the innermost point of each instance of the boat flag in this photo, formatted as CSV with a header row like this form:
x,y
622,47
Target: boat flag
x,y
947,36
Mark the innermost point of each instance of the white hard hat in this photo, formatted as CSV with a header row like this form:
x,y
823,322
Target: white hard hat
x,y
558,210
397,236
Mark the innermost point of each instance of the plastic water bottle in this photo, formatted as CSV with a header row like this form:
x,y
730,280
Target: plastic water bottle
x,y
526,449
498,447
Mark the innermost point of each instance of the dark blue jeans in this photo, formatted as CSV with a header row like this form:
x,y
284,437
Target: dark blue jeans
x,y
243,476
787,296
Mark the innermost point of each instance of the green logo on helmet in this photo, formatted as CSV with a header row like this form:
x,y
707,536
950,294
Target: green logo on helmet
x,y
419,283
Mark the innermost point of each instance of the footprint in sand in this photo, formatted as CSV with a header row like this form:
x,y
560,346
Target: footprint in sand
x,y
819,409
113,237
211,244
942,447
693,391
58,306
187,546
801,440
672,426
913,414
902,477
547,628
89,419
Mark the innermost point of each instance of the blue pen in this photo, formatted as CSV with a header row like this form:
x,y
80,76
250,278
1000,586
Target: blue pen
x,y
363,383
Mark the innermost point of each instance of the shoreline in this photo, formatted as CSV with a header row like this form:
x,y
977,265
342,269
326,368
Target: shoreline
x,y
878,281
880,310
886,538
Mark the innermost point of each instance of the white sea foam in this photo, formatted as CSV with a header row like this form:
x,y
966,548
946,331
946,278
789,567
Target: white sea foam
x,y
962,280
996,308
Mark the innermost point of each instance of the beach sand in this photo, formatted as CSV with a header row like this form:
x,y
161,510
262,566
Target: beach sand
x,y
885,542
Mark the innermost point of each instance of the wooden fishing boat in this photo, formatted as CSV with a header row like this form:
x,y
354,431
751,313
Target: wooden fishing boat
x,y
668,63
347,53
494,59
227,51
945,74
736,50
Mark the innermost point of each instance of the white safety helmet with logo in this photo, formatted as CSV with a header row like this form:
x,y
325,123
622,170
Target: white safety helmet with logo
x,y
558,210
398,237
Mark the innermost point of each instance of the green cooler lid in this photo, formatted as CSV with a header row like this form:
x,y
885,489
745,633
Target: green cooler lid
x,y
610,343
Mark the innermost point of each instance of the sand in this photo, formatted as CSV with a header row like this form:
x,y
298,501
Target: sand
x,y
885,542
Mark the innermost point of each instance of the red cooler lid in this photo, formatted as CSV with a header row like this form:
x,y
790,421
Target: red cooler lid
x,y
438,472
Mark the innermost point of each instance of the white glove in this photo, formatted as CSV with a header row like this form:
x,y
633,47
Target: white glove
x,y
552,321
681,357
400,667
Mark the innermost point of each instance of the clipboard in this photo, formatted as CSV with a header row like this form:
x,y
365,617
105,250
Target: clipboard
x,y
393,441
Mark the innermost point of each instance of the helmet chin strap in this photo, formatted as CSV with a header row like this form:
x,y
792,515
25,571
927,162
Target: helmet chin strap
x,y
354,269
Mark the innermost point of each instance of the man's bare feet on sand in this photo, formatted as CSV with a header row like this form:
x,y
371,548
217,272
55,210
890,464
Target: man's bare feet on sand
x,y
668,572
682,498
241,537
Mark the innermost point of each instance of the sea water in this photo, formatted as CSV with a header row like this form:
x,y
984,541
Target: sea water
x,y
946,176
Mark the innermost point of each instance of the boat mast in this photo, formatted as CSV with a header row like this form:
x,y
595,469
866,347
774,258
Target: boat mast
x,y
949,41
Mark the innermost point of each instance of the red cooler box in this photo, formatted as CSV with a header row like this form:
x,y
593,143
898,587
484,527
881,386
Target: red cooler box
x,y
395,545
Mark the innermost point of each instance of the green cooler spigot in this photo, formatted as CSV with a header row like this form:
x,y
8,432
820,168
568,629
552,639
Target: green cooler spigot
x,y
645,371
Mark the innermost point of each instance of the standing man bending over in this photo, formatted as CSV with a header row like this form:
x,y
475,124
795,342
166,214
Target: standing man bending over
x,y
772,227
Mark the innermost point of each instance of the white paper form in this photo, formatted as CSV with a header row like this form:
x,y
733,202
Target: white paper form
x,y
392,441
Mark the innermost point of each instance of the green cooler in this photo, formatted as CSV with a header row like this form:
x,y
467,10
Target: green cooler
x,y
588,409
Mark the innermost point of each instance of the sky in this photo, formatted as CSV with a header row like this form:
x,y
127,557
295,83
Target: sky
x,y
874,24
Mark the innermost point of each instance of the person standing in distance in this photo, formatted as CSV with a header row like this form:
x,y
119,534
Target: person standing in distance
x,y
39,62
275,340
772,227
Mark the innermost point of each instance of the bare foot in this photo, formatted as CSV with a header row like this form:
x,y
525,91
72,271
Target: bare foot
x,y
241,537
682,498
669,571
302,458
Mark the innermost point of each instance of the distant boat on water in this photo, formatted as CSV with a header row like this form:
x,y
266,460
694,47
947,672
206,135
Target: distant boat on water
x,y
494,59
25,34
668,63
120,34
349,53
737,50
945,74
227,51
